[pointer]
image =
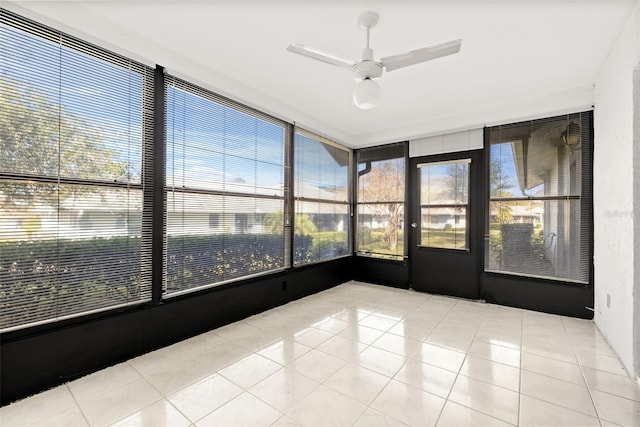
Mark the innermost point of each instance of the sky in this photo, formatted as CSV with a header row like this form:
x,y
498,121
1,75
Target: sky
x,y
212,146
503,153
209,145
112,103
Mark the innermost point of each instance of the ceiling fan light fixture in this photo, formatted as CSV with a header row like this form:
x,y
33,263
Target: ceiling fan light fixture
x,y
366,94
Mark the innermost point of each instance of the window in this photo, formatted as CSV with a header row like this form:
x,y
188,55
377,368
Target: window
x,y
214,220
380,205
74,128
444,204
539,217
321,223
225,190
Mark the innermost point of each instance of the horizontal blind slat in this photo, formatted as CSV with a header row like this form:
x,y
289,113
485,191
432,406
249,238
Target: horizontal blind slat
x,y
321,193
81,115
540,198
225,190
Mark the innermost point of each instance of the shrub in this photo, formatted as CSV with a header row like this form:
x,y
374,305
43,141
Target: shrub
x,y
319,246
202,260
79,273
42,274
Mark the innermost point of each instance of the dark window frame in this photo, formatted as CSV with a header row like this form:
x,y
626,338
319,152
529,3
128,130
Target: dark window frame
x,y
297,199
229,219
72,48
367,156
465,206
585,120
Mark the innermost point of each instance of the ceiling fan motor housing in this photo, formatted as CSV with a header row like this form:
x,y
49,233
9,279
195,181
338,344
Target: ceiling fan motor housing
x,y
367,70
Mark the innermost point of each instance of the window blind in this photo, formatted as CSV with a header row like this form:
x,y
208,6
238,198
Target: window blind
x,y
225,186
74,130
321,193
540,198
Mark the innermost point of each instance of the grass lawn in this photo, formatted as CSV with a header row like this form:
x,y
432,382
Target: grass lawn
x,y
444,239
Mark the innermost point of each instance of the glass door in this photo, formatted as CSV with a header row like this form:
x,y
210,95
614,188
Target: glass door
x,y
444,250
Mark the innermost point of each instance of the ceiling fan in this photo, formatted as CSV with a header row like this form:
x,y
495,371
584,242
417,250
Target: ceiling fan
x,y
366,94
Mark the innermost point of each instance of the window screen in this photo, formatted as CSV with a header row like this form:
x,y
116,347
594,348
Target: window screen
x,y
381,201
74,129
321,193
539,218
225,190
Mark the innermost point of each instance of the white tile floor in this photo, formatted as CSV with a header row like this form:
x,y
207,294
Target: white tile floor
x,y
360,355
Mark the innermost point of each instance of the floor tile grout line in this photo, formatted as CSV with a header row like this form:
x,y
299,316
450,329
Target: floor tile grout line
x,y
375,398
520,369
244,389
589,390
57,412
637,400
558,379
149,405
142,377
75,399
284,414
160,391
458,374
480,412
584,378
555,378
466,354
368,405
161,394
323,383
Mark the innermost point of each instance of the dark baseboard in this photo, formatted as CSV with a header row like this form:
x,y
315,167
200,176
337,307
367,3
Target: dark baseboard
x,y
538,294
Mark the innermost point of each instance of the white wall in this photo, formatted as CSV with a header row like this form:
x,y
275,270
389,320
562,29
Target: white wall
x,y
614,183
636,217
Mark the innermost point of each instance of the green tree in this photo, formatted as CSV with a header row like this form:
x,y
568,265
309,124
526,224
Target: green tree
x,y
384,184
457,187
500,183
38,137
457,182
274,223
304,225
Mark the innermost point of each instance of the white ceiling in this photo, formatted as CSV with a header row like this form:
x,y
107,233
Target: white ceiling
x,y
519,59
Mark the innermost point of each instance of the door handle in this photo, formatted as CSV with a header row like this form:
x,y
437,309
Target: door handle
x,y
414,225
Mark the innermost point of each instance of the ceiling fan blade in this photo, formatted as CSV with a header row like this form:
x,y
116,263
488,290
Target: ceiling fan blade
x,y
417,56
320,55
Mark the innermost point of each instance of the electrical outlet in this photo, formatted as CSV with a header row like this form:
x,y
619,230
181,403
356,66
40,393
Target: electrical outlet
x,y
608,301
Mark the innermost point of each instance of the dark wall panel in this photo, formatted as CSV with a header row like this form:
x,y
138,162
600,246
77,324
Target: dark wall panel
x,y
448,272
538,294
32,361
381,271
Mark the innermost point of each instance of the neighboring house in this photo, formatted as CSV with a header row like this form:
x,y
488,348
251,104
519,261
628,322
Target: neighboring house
x,y
108,214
